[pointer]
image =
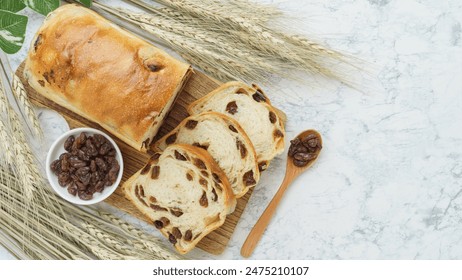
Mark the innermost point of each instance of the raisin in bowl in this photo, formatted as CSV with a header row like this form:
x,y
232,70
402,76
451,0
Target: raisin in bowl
x,y
84,166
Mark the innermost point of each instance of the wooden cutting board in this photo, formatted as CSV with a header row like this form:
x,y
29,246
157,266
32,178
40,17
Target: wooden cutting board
x,y
197,86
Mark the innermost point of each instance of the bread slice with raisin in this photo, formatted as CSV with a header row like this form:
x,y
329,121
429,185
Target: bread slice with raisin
x,y
226,142
183,192
253,110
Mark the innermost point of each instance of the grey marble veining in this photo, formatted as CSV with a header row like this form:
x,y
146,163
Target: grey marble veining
x,y
388,184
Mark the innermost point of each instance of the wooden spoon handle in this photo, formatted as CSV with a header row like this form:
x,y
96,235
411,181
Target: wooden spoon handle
x,y
258,229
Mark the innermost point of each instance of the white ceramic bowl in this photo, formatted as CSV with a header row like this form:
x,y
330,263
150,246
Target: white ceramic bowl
x,y
57,148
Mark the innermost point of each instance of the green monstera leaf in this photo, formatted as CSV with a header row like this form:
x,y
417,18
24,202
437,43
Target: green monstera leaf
x,y
12,5
42,6
12,31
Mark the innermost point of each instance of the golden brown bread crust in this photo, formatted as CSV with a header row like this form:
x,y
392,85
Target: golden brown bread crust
x,y
83,62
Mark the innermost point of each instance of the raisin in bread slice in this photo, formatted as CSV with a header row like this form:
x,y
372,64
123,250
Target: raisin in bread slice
x,y
183,192
254,112
225,141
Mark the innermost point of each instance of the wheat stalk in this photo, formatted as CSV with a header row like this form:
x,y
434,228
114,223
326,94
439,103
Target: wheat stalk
x,y
22,155
248,10
140,236
256,11
292,59
207,67
28,172
8,242
99,243
4,104
106,239
218,11
21,96
35,232
138,240
5,143
25,171
50,226
310,45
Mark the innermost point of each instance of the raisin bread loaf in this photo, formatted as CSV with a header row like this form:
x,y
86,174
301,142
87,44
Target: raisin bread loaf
x,y
183,192
254,112
94,68
226,142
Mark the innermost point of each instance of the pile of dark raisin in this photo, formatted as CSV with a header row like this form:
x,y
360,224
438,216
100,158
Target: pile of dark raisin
x,y
302,151
88,165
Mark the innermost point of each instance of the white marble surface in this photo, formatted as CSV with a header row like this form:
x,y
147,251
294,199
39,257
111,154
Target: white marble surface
x,y
388,184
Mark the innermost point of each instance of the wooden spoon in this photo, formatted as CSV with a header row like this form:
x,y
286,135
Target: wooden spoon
x,y
308,139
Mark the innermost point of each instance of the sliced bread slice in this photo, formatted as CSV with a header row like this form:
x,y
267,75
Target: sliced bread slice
x,y
226,142
251,108
184,193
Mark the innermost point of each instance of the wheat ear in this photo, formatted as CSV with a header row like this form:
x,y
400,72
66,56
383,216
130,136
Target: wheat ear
x,y
257,11
92,244
251,11
107,239
21,96
141,236
25,167
218,12
5,142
